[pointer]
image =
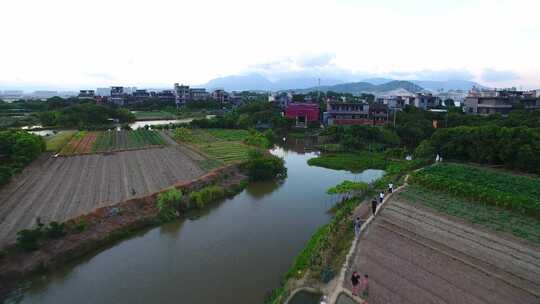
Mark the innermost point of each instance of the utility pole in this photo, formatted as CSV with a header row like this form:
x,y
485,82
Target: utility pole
x,y
319,90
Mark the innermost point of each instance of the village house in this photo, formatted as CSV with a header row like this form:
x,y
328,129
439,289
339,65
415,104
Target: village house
x,y
303,113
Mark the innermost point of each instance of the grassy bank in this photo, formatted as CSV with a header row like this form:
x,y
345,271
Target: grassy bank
x,y
492,217
352,161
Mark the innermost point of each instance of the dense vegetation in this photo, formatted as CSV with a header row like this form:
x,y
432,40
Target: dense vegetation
x,y
485,186
17,149
514,147
261,166
85,115
251,115
352,161
168,204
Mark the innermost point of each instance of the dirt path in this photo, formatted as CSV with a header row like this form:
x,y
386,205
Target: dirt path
x,y
413,255
60,188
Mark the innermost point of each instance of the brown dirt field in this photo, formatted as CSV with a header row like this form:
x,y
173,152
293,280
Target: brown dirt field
x,y
56,189
87,142
413,255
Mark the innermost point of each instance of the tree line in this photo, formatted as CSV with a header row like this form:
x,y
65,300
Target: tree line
x,y
17,149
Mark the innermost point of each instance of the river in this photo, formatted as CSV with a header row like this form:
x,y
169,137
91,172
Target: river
x,y
234,253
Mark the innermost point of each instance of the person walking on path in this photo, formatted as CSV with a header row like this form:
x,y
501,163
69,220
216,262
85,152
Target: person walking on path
x,y
390,188
365,287
355,280
357,226
381,197
374,205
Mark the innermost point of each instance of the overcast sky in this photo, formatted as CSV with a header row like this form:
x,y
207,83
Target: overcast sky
x,y
81,43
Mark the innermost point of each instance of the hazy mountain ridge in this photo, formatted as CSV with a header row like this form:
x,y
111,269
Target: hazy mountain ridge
x,y
366,87
374,85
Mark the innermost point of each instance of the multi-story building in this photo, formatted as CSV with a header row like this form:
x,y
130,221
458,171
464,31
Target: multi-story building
x,y
168,96
117,96
198,94
220,96
426,101
396,99
103,92
355,113
182,93
347,113
282,99
140,95
303,113
486,102
87,94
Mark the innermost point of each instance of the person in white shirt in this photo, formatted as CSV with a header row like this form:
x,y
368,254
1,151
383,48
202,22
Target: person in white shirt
x,y
390,188
381,197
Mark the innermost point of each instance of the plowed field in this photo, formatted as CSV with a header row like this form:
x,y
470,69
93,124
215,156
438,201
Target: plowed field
x,y
63,187
413,255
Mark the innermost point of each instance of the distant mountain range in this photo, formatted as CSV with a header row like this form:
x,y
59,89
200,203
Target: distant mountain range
x,y
256,82
366,87
432,85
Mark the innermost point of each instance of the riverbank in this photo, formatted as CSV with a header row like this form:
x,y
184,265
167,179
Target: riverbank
x,y
102,227
321,260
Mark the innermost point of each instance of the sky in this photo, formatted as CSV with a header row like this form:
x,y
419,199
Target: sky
x,y
77,44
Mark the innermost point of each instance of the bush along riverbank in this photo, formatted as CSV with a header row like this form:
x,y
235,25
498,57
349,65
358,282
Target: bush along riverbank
x,y
324,254
50,246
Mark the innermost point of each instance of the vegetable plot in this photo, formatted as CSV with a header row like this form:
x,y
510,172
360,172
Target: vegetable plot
x,y
519,193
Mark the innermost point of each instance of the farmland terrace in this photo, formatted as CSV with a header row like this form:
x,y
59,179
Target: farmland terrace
x,y
56,189
413,255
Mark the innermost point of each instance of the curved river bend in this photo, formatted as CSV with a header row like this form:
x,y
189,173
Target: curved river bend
x,y
234,253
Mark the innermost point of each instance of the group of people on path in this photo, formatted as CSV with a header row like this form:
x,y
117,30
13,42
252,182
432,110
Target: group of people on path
x,y
358,282
375,203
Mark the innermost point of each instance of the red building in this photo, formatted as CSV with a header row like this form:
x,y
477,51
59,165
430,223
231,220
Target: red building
x,y
303,113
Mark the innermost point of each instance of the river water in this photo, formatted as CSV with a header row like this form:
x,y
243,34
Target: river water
x,y
234,253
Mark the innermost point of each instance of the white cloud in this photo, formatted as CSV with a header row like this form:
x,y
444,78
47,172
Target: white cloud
x,y
66,43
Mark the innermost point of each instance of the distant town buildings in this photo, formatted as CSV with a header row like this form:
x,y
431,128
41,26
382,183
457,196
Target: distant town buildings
x,y
486,102
117,96
87,94
103,92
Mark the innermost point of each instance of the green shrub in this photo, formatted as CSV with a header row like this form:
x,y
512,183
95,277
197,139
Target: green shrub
x,y
55,230
28,239
262,167
206,195
81,225
425,150
168,203
257,139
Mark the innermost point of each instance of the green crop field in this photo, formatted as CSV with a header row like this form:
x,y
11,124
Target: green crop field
x,y
222,146
57,142
495,218
228,134
484,186
226,152
126,140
